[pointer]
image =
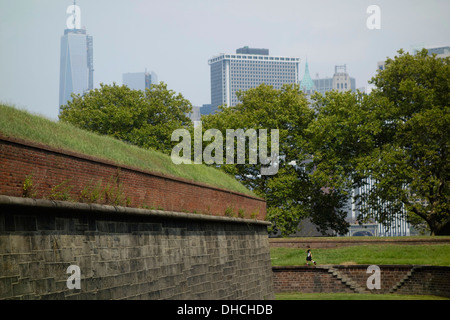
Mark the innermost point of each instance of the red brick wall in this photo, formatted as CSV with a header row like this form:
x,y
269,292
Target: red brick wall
x,y
432,280
306,280
50,167
390,275
398,279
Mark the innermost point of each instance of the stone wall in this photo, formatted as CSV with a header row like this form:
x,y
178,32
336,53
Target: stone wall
x,y
126,253
399,279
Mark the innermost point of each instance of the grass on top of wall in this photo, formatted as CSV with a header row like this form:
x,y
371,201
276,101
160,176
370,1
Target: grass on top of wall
x,y
22,124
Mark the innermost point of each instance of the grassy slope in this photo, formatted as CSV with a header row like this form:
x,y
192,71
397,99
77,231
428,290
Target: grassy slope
x,y
21,124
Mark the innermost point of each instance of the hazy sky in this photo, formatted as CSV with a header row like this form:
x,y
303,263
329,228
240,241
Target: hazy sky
x,y
175,39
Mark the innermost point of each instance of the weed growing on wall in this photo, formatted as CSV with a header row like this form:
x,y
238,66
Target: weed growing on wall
x,y
61,191
28,187
229,212
92,193
109,193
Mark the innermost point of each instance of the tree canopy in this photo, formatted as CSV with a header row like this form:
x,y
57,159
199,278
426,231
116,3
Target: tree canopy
x,y
144,118
393,143
290,194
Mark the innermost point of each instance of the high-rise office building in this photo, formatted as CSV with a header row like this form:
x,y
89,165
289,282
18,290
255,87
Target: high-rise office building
x,y
381,65
246,69
76,64
341,81
139,80
441,52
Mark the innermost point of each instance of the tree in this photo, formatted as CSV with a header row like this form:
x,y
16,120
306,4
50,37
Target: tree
x,y
288,193
393,141
146,119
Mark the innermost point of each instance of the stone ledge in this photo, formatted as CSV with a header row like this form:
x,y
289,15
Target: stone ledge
x,y
93,207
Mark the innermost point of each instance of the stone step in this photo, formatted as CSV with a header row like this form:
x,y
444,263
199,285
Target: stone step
x,y
403,280
345,280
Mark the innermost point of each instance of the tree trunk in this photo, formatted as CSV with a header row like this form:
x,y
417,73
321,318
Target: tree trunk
x,y
441,228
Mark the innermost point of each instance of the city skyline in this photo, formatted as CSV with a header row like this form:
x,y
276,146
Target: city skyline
x,y
177,38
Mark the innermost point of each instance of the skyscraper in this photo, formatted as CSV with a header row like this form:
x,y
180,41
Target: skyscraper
x,y
246,69
441,52
139,80
76,64
341,81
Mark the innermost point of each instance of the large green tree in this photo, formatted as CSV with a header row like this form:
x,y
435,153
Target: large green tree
x,y
290,194
144,118
393,142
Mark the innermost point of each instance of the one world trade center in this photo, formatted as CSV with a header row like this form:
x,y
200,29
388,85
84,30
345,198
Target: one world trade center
x,y
76,65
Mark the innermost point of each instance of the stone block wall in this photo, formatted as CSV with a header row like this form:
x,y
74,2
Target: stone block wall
x,y
126,253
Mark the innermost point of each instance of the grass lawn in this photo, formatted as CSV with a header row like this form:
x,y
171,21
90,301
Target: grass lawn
x,y
60,135
352,296
433,254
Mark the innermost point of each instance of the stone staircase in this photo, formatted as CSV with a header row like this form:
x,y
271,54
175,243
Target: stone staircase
x,y
403,280
357,288
395,279
346,280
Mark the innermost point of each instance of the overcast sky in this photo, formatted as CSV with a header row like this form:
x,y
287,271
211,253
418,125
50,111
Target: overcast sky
x,y
175,39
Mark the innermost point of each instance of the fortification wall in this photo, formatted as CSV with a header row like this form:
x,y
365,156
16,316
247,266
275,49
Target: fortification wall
x,y
126,253
399,279
59,174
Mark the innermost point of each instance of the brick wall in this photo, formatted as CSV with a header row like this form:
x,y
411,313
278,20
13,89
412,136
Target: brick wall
x,y
390,275
74,173
432,280
127,253
399,279
306,280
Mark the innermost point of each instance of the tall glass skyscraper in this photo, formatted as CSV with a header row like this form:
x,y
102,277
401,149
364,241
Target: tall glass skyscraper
x,y
246,69
76,64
